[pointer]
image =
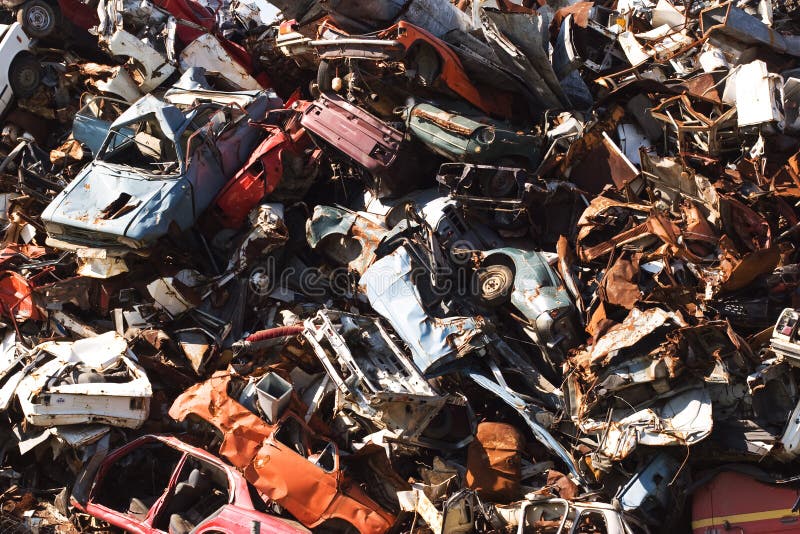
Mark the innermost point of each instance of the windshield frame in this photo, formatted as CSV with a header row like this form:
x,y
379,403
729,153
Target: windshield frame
x,y
119,130
190,116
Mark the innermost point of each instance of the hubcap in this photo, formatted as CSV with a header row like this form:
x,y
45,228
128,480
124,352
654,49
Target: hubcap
x,y
492,284
27,77
38,18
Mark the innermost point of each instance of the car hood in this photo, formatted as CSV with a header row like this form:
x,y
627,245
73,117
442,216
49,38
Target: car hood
x,y
105,199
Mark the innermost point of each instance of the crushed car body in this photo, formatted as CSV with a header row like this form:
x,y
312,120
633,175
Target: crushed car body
x,y
155,170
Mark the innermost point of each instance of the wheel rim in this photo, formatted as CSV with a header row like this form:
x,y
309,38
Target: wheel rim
x,y
493,283
38,18
27,78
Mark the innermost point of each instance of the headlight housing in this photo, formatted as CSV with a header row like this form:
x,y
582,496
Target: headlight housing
x,y
54,229
485,135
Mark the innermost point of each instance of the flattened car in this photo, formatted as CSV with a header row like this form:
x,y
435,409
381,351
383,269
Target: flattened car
x,y
459,137
92,380
525,279
284,160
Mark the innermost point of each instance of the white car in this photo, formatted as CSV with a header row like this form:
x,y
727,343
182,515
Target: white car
x,y
91,380
19,68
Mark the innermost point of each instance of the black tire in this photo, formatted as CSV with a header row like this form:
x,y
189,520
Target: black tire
x,y
38,18
24,75
494,284
325,74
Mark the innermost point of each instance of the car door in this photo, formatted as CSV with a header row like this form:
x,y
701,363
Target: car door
x,y
204,173
298,471
130,486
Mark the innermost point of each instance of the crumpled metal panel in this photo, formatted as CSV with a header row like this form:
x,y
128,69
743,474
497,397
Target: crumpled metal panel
x,y
434,342
207,52
683,419
153,67
539,432
16,298
382,384
111,80
268,233
334,230
727,21
532,70
528,32
637,325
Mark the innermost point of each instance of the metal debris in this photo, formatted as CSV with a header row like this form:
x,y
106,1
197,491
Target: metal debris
x,y
409,266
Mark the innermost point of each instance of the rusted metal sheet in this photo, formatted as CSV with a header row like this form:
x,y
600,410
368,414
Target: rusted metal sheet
x,y
605,159
494,460
638,324
684,419
620,283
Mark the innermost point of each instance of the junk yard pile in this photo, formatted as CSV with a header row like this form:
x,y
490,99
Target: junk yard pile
x,y
400,266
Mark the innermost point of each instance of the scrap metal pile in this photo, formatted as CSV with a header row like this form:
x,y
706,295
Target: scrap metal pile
x,y
400,266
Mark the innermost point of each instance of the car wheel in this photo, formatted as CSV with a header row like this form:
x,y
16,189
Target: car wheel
x,y
494,284
24,75
330,76
38,18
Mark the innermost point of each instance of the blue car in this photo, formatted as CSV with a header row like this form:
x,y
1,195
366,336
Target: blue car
x,y
524,279
157,170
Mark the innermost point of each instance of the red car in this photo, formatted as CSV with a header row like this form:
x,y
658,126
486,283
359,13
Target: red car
x,y
159,484
284,156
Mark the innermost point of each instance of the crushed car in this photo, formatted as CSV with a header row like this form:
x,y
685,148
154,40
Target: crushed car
x,y
286,461
159,483
156,172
